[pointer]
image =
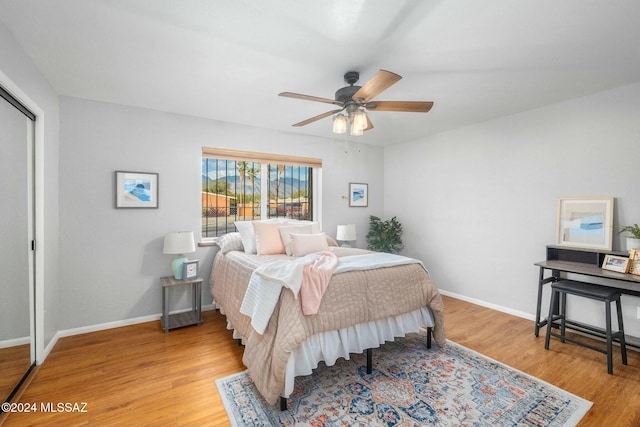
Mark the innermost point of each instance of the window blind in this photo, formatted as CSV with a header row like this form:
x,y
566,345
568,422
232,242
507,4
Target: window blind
x,y
252,156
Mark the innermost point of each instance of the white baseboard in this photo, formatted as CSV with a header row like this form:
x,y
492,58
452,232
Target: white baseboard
x,y
15,342
633,343
102,326
496,307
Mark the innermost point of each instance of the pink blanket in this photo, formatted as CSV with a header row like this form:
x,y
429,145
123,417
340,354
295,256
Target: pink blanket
x,y
267,281
315,279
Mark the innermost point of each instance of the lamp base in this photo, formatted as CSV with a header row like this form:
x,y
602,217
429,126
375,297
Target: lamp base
x,y
176,266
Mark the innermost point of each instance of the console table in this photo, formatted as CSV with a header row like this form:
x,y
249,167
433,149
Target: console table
x,y
586,263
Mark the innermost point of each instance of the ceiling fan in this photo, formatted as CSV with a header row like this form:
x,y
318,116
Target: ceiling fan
x,y
354,101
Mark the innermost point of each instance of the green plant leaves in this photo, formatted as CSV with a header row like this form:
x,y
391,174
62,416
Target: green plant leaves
x,y
384,236
633,229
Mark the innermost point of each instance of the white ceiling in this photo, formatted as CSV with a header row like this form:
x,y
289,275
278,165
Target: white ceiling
x,y
228,60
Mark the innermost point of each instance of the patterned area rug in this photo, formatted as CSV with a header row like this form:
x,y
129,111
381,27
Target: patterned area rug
x,y
410,386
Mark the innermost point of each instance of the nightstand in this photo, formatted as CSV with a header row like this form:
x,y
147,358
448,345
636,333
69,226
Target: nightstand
x,y
178,320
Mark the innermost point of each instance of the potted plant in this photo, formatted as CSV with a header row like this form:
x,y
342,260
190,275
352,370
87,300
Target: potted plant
x,y
632,242
384,236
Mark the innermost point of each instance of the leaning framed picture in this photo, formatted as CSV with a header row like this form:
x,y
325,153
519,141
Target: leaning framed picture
x,y
358,194
616,263
585,223
634,261
136,190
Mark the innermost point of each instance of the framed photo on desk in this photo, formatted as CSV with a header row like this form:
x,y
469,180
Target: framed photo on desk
x,y
616,263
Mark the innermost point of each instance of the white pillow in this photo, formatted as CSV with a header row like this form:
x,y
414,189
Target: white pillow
x,y
331,241
304,244
247,236
229,242
314,224
285,234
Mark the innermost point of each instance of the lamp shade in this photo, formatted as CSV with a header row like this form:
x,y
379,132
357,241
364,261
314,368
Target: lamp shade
x,y
339,124
179,242
346,232
360,120
356,130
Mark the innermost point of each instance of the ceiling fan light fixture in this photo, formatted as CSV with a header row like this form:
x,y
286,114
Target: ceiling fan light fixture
x,y
339,124
355,130
360,119
358,122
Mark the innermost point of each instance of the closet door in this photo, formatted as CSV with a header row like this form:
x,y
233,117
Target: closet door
x,y
16,255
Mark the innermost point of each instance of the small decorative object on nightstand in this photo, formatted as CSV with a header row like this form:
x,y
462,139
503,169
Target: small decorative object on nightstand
x,y
190,269
178,320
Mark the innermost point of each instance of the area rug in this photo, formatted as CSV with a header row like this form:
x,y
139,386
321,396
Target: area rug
x,y
410,386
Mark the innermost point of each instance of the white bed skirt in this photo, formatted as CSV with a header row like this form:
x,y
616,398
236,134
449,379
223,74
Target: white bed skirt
x,y
330,346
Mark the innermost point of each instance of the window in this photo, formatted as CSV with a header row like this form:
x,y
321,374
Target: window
x,y
245,186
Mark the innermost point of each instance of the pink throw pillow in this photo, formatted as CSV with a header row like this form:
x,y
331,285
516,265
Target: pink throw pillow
x,y
268,240
286,232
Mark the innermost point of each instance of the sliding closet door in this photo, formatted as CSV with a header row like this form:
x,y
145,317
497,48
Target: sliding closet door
x,y
16,256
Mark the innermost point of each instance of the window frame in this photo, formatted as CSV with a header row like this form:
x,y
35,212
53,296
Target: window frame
x,y
265,159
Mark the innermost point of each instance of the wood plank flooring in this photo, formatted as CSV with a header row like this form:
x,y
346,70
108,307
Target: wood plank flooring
x,y
140,375
14,362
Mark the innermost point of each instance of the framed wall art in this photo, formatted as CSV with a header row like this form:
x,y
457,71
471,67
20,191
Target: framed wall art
x,y
585,223
136,190
358,194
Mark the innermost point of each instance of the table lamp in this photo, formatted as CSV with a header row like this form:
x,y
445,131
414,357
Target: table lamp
x,y
345,234
178,243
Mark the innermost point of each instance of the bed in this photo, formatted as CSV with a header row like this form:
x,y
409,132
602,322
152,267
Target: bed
x,y
360,309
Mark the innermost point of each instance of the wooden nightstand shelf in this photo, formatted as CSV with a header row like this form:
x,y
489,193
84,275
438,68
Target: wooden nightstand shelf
x,y
178,320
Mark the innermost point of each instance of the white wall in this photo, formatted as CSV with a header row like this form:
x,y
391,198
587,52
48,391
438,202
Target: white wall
x,y
480,202
480,208
17,72
111,259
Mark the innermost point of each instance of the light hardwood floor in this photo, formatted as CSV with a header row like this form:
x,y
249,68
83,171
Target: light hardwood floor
x,y
139,375
14,362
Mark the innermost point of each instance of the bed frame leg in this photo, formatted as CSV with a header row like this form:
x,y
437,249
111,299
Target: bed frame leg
x,y
369,360
283,403
429,333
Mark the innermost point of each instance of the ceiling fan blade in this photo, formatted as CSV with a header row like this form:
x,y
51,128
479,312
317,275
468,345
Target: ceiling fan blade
x,y
369,125
318,117
402,106
380,82
310,98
